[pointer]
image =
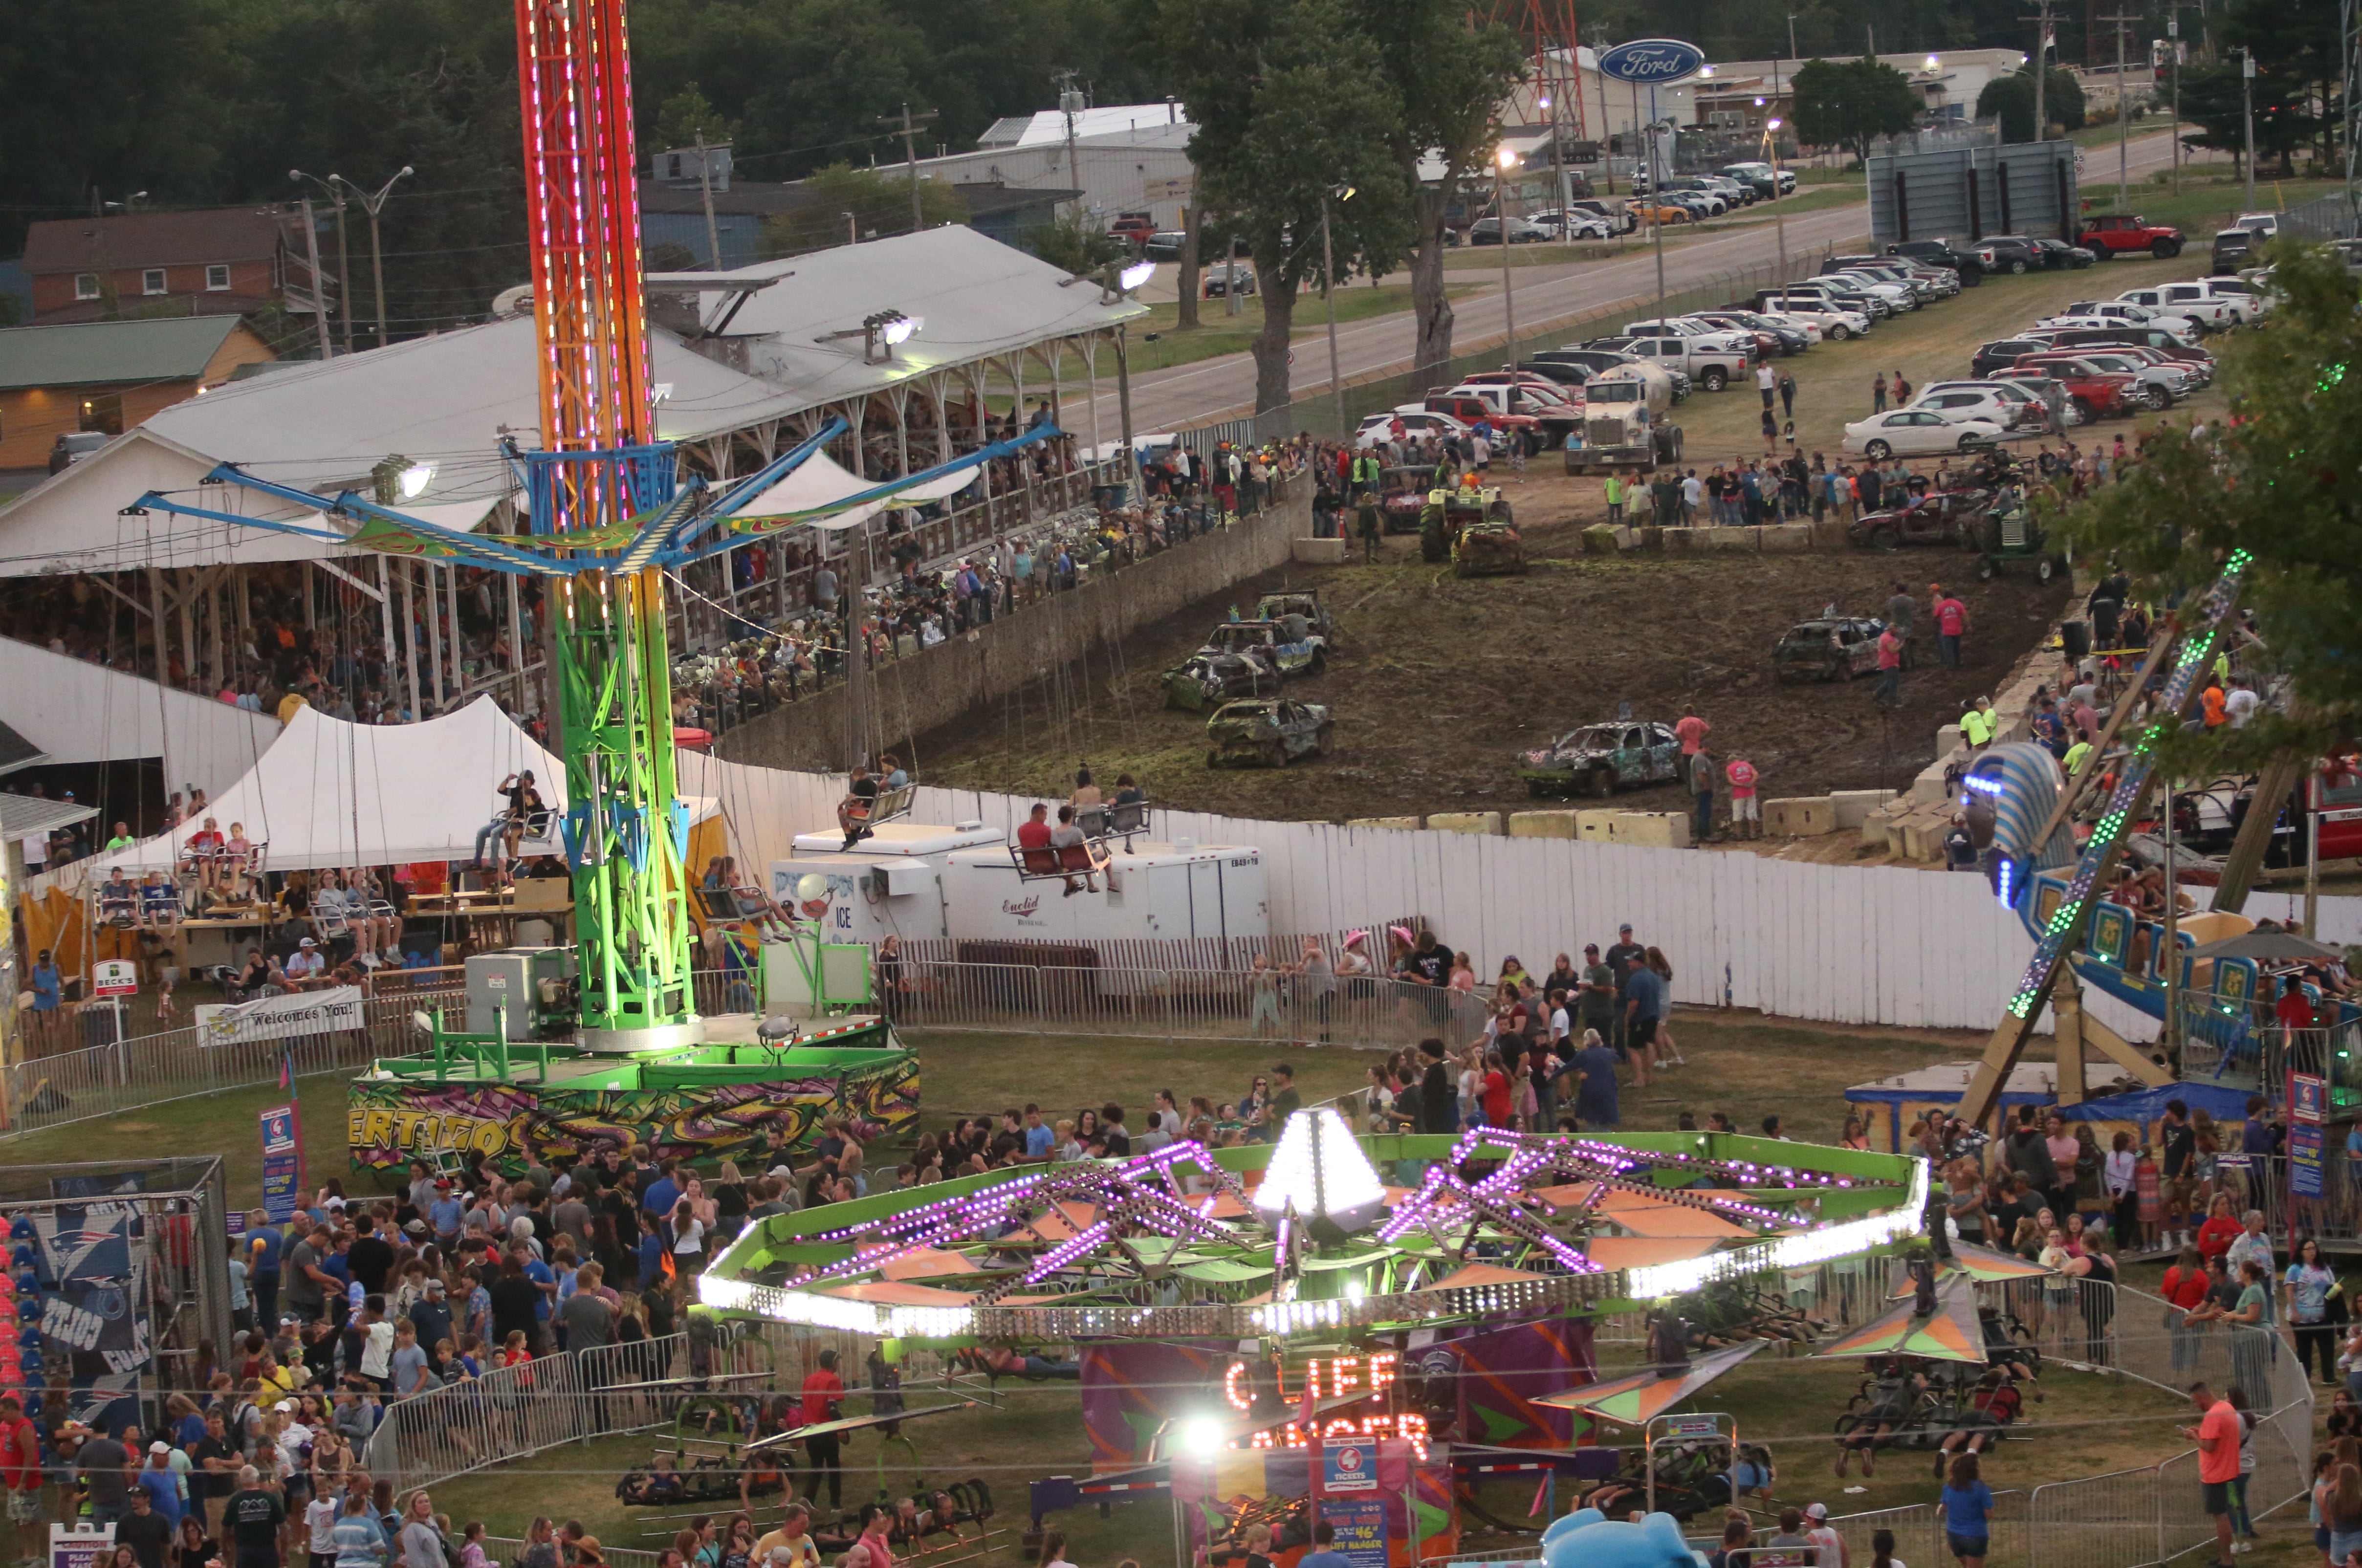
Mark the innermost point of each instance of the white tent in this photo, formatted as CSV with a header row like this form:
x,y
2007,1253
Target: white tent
x,y
330,793
821,481
78,712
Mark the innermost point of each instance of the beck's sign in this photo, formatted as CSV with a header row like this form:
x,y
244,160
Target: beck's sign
x,y
1651,62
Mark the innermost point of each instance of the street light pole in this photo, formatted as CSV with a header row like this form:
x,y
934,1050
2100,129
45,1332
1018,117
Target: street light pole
x,y
1656,201
1778,217
1328,298
2173,44
1502,159
2248,116
373,203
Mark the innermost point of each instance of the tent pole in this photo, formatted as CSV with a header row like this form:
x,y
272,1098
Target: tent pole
x,y
410,641
459,645
156,620
311,598
189,620
433,633
516,642
386,619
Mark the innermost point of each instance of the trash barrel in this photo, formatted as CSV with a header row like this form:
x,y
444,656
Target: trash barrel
x,y
2076,637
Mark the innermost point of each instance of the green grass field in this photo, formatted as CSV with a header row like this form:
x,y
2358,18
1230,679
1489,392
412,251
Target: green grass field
x,y
1217,334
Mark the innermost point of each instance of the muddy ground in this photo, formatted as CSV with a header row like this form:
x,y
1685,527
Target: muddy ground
x,y
1438,683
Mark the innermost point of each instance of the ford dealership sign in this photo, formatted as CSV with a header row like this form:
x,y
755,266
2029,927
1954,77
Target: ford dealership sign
x,y
1651,62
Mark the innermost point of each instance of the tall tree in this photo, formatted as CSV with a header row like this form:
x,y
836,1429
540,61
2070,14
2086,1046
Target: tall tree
x,y
1291,102
1850,103
2011,97
1450,78
2279,484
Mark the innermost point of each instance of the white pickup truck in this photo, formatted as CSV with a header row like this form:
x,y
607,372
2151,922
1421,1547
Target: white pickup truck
x,y
1712,359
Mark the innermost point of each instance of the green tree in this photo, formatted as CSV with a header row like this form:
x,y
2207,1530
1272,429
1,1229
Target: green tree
x,y
879,201
1850,103
685,116
2281,485
1449,79
2212,99
2012,98
1291,102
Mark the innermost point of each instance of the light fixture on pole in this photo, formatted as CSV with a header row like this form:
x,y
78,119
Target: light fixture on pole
x,y
1334,194
344,243
878,332
1504,159
312,260
1779,219
373,203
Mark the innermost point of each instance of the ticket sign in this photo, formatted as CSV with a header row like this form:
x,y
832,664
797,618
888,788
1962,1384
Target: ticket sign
x,y
1692,1425
2308,1097
115,977
1349,1464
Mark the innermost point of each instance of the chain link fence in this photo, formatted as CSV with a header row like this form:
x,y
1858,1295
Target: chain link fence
x,y
2322,219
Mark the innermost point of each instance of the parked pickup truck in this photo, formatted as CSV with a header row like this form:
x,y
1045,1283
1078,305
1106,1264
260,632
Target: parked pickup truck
x,y
1712,363
2112,235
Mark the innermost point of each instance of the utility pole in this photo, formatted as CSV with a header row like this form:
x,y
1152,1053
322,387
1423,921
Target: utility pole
x,y
2123,116
705,185
2248,116
319,295
2042,76
1502,159
1328,298
2173,47
1656,200
373,203
1792,36
909,123
344,245
1070,104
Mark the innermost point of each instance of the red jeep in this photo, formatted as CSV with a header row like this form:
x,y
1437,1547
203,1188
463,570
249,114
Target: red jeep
x,y
2099,393
2112,235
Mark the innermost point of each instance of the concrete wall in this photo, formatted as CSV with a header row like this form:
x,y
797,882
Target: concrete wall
x,y
937,686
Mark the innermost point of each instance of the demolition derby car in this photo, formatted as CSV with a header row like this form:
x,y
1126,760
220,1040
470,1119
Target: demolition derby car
x,y
1211,677
1600,759
1259,734
1448,511
1831,648
1305,602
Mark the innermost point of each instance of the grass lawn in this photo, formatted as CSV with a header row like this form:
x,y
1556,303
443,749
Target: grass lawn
x,y
1219,334
2204,206
1933,343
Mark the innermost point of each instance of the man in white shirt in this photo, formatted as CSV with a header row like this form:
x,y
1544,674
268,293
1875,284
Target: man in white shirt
x,y
2240,705
1832,1553
1692,493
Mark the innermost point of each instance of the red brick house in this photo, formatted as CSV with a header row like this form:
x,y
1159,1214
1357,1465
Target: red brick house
x,y
211,261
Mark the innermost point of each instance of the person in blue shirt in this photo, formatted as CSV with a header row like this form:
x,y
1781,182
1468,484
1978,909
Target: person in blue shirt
x,y
162,1483
48,986
1324,1552
446,1216
1040,1138
1595,1098
659,1196
1968,1513
266,1245
1644,1006
359,1542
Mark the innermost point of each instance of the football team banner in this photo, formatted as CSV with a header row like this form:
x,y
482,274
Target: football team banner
x,y
282,1017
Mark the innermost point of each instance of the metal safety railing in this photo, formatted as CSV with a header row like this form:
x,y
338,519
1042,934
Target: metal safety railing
x,y
101,1080
1178,1004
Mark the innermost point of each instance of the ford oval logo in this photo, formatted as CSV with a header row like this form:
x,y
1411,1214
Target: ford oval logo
x,y
1651,61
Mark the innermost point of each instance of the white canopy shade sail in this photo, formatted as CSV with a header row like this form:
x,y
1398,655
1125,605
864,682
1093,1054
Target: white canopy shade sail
x,y
821,482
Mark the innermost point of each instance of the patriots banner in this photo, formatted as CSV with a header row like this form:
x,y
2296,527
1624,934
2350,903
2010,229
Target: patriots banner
x,y
89,1242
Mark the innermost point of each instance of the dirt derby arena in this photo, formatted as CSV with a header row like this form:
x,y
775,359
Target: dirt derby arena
x,y
1436,683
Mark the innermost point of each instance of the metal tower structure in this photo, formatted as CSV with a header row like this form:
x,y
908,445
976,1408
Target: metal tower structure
x,y
1548,28
600,467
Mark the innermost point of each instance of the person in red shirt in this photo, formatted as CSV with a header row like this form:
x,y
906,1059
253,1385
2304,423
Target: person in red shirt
x,y
1951,620
823,1400
2294,1010
1692,729
2222,1228
1499,1108
1033,833
1746,819
20,1477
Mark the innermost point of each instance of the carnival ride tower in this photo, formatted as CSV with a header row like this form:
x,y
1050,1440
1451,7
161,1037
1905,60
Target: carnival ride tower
x,y
599,472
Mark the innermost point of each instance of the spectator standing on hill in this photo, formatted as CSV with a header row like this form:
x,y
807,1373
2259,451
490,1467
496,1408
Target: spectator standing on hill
x,y
1878,393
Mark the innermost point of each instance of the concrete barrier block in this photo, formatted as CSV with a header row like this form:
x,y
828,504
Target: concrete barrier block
x,y
1828,534
1599,539
1922,838
1397,822
1544,824
1681,541
1653,830
1881,823
1853,806
1318,552
1787,536
1465,821
1597,822
1799,816
1730,538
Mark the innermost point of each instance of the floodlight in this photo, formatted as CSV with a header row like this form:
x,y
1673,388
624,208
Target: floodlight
x,y
1320,1172
415,479
1135,275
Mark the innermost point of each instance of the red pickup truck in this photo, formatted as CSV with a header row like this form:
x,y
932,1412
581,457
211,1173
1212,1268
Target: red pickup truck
x,y
2112,235
2098,394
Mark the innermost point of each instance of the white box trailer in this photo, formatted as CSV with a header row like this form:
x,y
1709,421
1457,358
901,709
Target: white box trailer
x,y
1164,892
889,884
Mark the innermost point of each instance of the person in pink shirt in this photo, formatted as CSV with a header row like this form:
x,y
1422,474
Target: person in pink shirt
x,y
1951,618
1889,689
1692,729
1746,818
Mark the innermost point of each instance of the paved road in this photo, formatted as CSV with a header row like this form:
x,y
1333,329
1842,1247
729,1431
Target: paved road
x,y
1209,389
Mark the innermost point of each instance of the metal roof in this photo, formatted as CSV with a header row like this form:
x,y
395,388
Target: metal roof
x,y
24,814
975,297
17,752
105,353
